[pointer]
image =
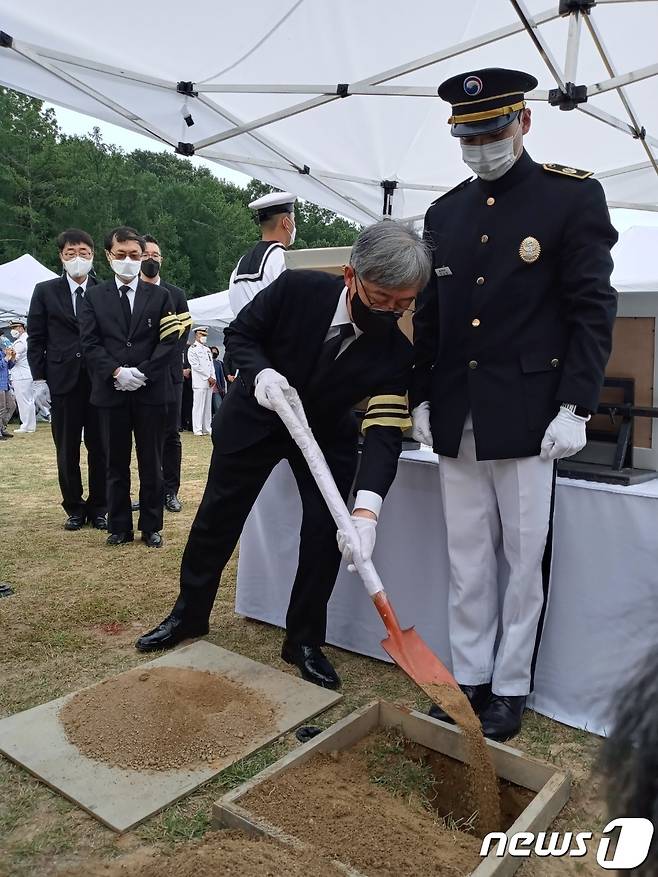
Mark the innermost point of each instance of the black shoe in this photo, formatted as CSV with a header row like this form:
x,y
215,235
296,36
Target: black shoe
x,y
75,522
169,633
121,538
134,505
98,522
152,540
5,434
312,664
477,695
172,502
502,716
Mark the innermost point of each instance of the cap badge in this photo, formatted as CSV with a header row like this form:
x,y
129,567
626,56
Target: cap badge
x,y
530,250
473,86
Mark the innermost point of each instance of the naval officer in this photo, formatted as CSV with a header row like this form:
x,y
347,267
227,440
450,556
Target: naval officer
x,y
203,381
512,336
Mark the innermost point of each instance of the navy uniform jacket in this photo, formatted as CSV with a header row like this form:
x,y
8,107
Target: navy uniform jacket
x,y
54,349
519,311
181,309
148,345
284,328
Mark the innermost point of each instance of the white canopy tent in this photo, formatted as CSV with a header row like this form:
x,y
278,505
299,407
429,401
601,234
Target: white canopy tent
x,y
636,261
212,310
337,101
17,282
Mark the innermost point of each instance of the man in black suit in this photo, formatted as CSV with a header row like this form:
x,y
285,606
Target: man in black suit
x,y
54,352
336,340
172,450
129,331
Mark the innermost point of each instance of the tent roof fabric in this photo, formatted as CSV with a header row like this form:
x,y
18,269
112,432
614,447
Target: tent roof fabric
x,y
212,310
337,101
636,268
17,281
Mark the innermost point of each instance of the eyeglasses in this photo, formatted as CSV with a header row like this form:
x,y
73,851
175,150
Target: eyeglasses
x,y
83,252
377,301
133,254
156,256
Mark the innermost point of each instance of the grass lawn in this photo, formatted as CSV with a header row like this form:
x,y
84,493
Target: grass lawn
x,y
78,608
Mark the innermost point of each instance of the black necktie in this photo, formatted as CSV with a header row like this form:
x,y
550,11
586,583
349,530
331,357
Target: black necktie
x,y
331,348
125,306
79,293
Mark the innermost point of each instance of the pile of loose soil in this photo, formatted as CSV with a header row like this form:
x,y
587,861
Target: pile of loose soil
x,y
333,803
165,718
482,776
226,853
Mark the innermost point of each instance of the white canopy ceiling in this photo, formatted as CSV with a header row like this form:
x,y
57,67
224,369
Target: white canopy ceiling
x,y
636,266
264,81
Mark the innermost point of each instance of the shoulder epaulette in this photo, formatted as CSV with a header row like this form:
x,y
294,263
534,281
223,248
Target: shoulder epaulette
x,y
565,171
457,188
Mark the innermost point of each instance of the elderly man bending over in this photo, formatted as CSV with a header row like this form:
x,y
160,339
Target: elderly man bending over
x,y
336,341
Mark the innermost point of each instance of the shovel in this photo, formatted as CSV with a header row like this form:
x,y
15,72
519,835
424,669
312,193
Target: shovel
x,y
409,651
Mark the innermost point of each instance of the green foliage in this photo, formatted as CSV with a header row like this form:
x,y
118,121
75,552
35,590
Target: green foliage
x,y
49,182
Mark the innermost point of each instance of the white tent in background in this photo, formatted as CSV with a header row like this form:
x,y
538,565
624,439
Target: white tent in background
x,y
337,101
636,260
212,310
17,281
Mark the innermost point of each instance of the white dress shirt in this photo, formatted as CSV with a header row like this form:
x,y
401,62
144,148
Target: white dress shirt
x,y
341,318
131,292
73,286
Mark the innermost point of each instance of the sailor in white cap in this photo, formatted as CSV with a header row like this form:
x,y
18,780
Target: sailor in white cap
x,y
262,264
203,380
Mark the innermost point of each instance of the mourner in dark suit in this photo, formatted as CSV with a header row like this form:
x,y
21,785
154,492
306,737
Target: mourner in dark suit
x,y
129,331
512,336
172,449
336,341
55,356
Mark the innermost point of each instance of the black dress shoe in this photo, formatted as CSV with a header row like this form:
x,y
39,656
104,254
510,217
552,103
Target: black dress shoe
x,y
121,538
502,716
168,634
7,434
98,522
172,502
134,505
152,540
75,522
477,695
312,664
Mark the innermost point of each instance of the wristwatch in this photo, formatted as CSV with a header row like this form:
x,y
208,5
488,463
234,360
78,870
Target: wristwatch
x,y
578,410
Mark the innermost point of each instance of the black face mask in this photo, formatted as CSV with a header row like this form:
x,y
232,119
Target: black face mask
x,y
150,268
377,323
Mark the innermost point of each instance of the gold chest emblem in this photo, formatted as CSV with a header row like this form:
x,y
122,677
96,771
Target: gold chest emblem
x,y
530,250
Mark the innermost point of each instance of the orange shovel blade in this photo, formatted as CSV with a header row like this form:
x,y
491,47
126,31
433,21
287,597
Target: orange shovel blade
x,y
410,651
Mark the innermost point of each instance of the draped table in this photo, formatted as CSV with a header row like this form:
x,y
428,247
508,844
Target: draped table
x,y
602,607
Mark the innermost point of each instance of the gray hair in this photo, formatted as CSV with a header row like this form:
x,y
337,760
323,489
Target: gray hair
x,y
392,255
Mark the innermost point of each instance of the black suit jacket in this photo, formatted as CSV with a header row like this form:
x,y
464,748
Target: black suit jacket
x,y
509,337
148,345
54,349
179,301
284,328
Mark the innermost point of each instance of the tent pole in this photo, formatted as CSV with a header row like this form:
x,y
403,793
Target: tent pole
x,y
573,46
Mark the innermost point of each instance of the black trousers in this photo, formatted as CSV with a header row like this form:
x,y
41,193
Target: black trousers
x,y
186,405
118,425
71,413
172,450
234,482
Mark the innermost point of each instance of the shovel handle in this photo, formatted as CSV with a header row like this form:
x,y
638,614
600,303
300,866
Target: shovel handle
x,y
288,406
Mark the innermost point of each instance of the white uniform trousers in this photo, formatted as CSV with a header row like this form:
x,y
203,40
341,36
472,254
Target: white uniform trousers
x,y
201,410
488,504
24,393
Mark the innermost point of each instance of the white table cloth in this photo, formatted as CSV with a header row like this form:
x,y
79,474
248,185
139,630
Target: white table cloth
x,y
602,614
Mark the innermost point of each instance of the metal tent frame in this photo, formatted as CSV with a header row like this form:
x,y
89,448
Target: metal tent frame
x,y
566,96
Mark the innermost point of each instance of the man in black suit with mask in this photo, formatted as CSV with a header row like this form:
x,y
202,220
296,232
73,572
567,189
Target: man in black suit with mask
x,y
54,353
129,330
336,341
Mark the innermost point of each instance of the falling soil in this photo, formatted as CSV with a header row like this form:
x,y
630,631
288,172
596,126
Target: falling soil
x,y
347,811
225,853
482,776
166,718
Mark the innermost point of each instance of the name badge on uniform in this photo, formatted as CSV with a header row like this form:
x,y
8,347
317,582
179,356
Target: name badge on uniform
x,y
149,323
443,272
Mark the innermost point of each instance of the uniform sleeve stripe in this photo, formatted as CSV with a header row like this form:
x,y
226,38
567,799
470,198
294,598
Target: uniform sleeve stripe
x,y
401,423
168,330
171,318
184,315
388,400
388,407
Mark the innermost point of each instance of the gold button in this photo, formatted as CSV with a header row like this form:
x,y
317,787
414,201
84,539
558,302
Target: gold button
x,y
480,281
491,201
473,363
555,363
484,238
475,323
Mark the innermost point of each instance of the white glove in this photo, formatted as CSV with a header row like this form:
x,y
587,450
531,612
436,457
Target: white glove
x,y
420,424
268,385
41,393
366,530
564,437
126,379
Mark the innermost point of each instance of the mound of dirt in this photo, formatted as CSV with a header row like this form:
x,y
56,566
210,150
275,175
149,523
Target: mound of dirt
x,y
165,718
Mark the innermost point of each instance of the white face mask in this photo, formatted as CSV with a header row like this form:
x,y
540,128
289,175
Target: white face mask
x,y
14,333
490,161
293,235
126,267
78,267
202,339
